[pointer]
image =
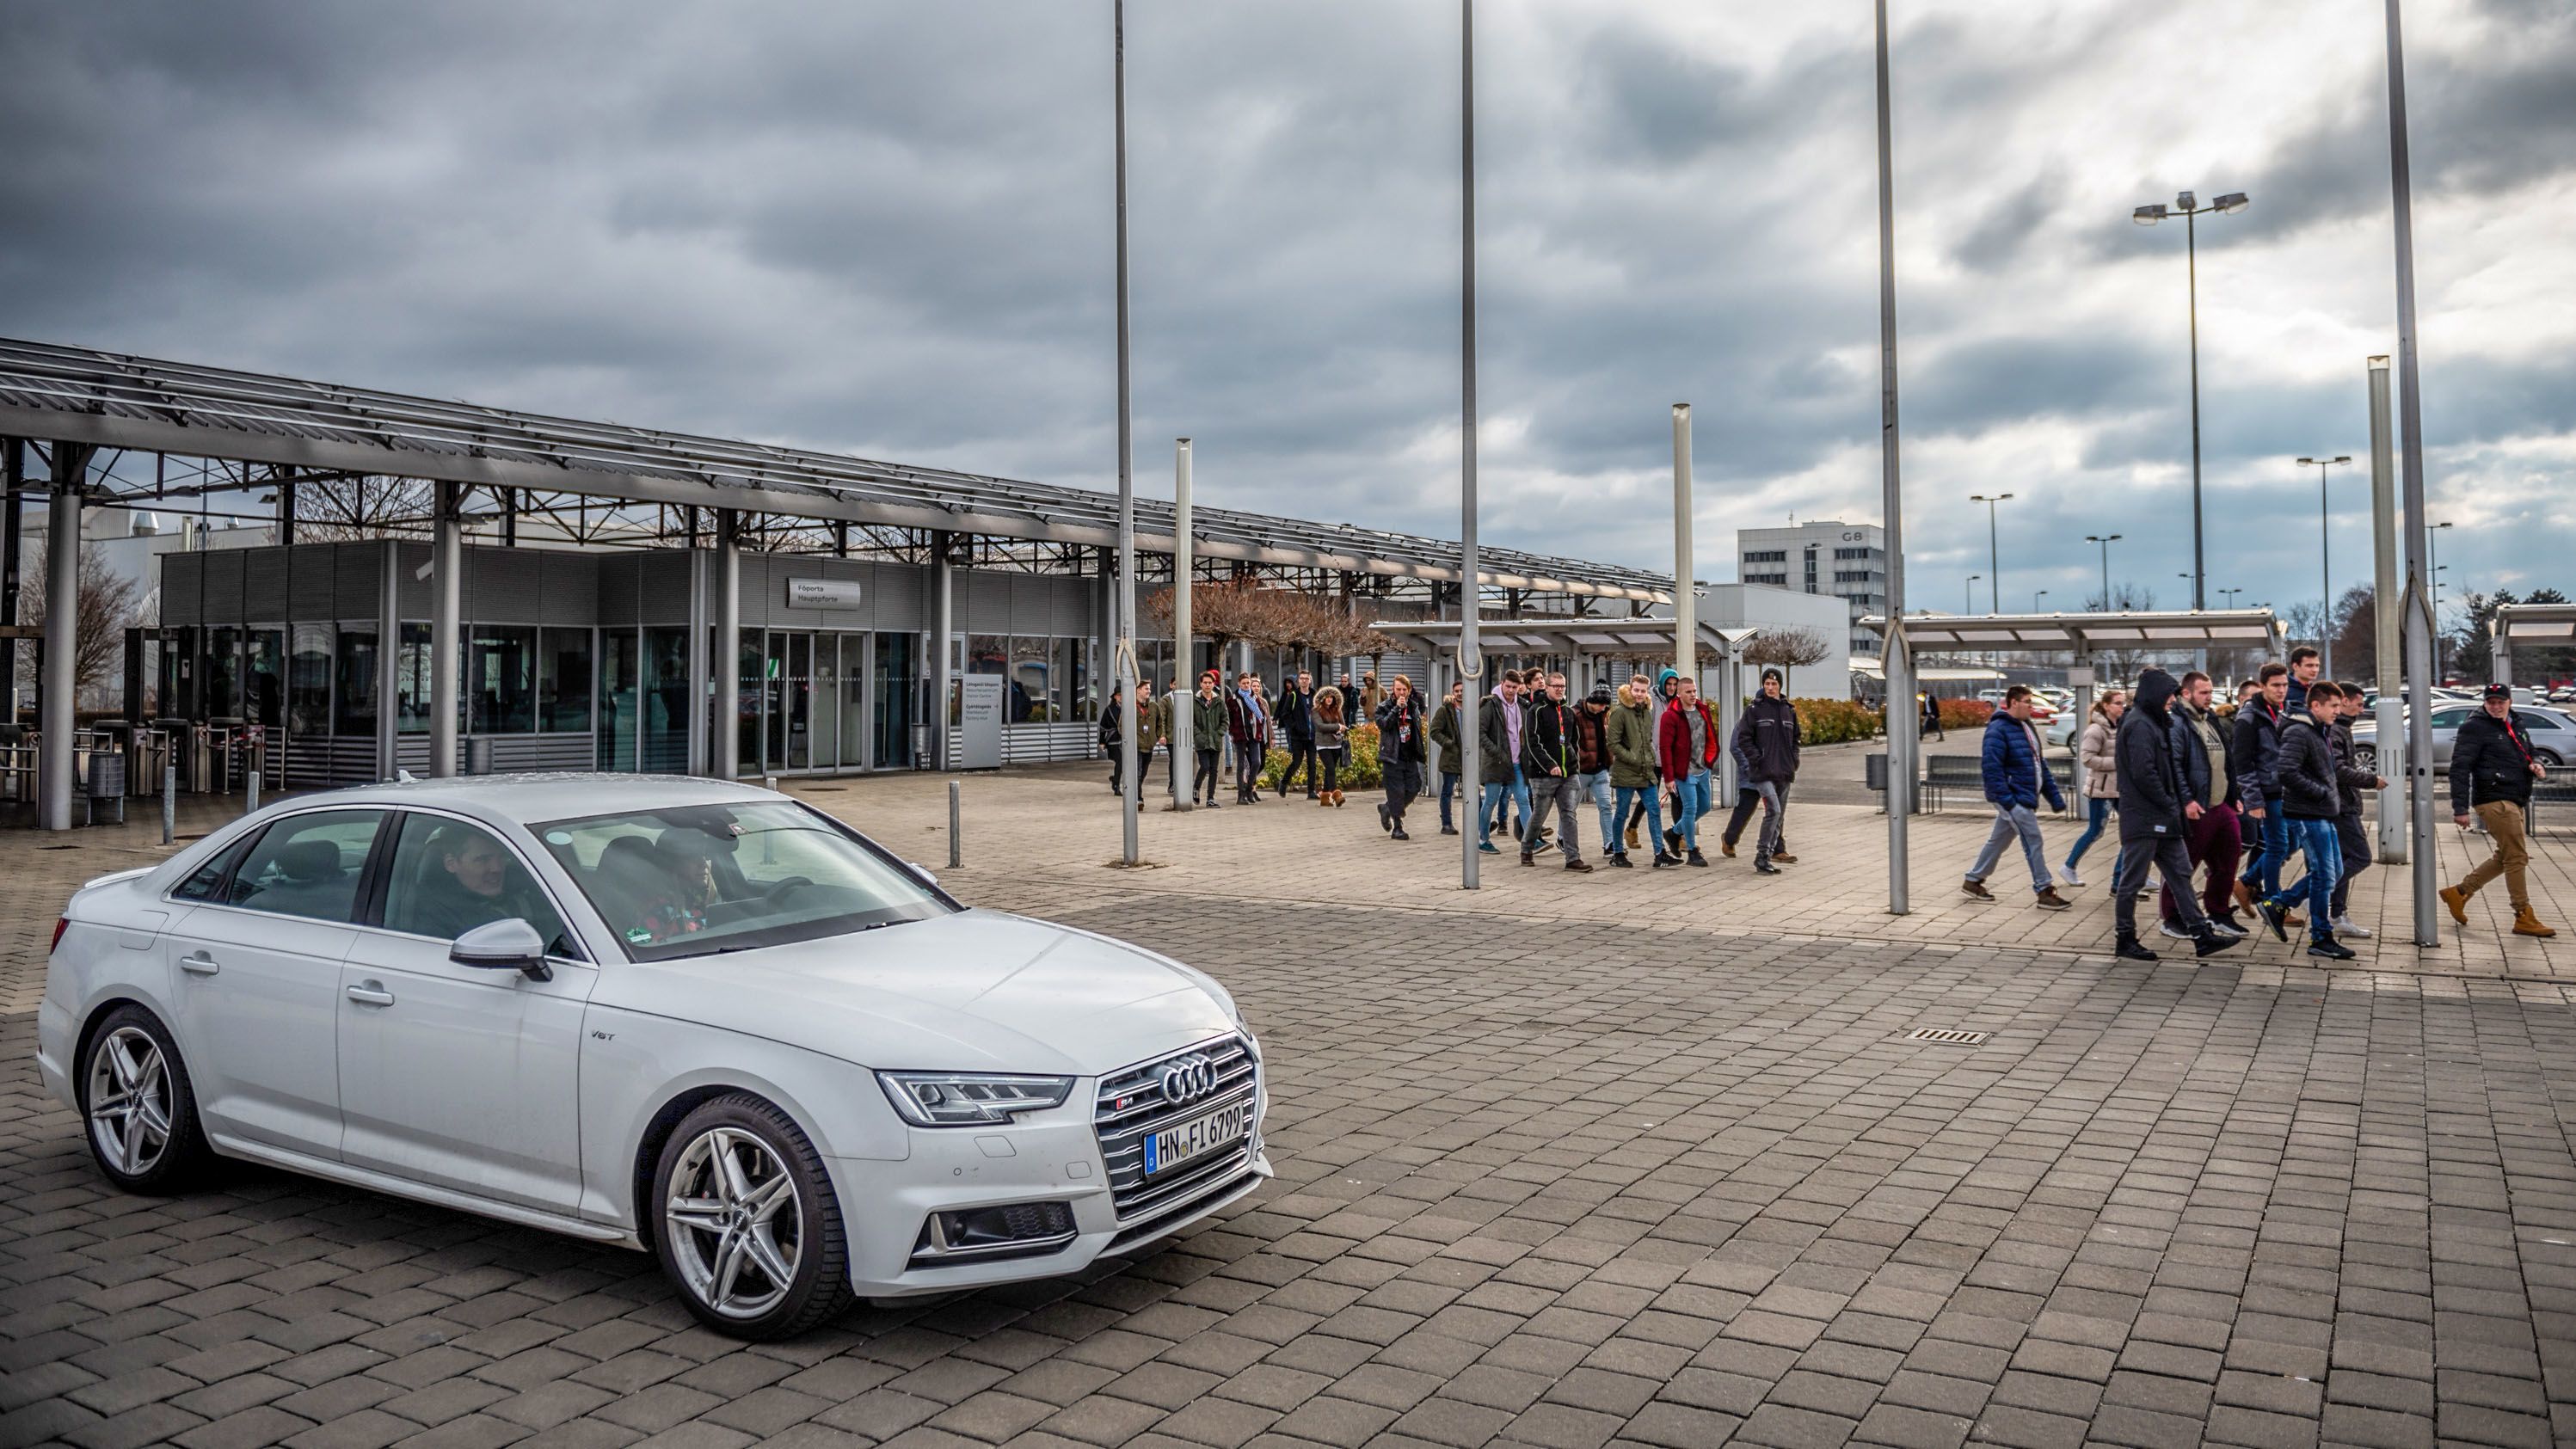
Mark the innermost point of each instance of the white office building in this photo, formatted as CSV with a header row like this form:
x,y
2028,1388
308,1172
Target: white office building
x,y
1846,560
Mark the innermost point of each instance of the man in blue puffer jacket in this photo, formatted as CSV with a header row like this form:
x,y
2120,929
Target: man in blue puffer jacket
x,y
2016,776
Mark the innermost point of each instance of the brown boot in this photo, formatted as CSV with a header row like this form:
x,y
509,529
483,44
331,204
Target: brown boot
x,y
2458,900
2527,924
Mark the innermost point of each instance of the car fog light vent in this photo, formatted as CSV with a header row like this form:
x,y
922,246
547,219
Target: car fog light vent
x,y
1946,1036
995,1231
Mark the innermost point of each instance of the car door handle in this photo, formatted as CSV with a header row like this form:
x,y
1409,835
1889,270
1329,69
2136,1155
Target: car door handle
x,y
371,993
198,963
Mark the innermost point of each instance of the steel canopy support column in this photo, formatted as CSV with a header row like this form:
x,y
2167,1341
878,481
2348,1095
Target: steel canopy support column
x,y
1185,686
54,782
13,462
446,627
1685,599
388,662
2388,611
943,647
702,690
727,665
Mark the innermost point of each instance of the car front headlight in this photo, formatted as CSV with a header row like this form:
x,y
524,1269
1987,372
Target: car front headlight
x,y
970,1099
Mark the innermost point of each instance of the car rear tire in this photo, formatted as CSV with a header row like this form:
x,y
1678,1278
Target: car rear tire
x,y
137,1106
2547,757
745,1223
2366,757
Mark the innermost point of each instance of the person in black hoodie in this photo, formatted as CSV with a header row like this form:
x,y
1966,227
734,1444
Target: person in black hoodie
x,y
1295,713
1402,749
2311,798
2255,755
1766,740
2154,809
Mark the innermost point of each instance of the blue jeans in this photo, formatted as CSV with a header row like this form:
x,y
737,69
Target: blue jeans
x,y
2097,815
1597,786
2012,821
1519,786
1651,799
1448,789
1698,795
2324,850
2271,850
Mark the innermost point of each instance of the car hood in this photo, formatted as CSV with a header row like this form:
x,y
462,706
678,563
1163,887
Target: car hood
x,y
975,991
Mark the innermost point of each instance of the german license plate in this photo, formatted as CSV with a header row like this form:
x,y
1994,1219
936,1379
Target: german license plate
x,y
1214,1132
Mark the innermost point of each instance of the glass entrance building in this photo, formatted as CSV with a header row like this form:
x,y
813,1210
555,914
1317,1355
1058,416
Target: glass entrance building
x,y
589,659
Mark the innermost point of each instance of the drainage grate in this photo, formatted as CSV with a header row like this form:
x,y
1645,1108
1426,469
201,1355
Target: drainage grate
x,y
1946,1037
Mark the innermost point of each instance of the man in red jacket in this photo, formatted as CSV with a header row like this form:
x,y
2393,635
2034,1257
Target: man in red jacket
x,y
1687,741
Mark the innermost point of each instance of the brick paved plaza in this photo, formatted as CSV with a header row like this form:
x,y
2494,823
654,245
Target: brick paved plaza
x,y
1638,1158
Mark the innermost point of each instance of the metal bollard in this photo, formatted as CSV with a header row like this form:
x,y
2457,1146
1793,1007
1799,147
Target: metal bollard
x,y
169,802
956,844
250,787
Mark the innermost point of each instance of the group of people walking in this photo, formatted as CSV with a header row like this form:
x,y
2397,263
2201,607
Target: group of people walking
x,y
1640,754
2195,794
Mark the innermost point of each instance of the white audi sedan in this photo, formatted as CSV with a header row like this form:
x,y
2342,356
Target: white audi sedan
x,y
691,1017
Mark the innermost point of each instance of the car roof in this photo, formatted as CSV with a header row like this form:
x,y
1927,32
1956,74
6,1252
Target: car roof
x,y
528,799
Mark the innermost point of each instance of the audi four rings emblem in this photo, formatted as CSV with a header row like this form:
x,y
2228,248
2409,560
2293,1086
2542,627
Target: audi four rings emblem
x,y
1188,1079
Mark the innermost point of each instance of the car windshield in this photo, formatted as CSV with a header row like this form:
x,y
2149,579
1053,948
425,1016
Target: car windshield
x,y
703,879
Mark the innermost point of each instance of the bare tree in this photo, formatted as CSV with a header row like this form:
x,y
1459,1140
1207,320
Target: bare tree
x,y
107,604
345,510
1787,648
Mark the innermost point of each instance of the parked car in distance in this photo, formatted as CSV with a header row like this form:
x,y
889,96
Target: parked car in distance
x,y
687,1016
2553,734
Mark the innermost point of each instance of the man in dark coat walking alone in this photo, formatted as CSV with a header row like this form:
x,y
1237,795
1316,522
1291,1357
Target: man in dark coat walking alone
x,y
2154,811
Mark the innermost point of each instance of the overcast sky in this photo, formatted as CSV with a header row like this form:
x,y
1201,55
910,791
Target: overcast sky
x,y
885,229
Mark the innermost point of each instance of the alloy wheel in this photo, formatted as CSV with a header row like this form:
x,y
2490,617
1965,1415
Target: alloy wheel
x,y
734,1224
129,1101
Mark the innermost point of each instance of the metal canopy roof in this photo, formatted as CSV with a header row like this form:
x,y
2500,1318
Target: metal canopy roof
x,y
2532,623
2088,633
1561,634
82,395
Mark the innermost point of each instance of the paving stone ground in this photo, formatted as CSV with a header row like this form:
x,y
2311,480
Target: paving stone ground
x,y
1570,1162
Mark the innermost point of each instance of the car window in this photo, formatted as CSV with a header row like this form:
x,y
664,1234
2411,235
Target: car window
x,y
697,880
308,865
2534,720
450,876
2449,719
206,882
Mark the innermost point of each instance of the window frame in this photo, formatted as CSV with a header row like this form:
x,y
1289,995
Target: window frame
x,y
241,847
380,875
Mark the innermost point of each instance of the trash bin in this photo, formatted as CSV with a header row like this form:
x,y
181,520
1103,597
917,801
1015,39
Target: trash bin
x,y
921,747
106,781
478,755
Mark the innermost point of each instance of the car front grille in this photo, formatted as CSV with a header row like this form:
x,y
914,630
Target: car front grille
x,y
1131,1108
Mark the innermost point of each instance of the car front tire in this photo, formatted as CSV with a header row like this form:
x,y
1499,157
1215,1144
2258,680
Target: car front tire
x,y
745,1223
138,1108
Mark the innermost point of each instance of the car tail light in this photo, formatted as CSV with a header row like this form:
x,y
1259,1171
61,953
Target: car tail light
x,y
61,924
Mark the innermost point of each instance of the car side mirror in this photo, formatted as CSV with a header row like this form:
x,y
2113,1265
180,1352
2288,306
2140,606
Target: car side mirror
x,y
922,871
511,945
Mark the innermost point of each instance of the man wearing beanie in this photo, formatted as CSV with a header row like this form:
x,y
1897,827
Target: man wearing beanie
x,y
1766,739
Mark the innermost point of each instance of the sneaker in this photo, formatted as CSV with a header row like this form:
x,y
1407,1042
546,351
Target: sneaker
x,y
1385,817
2175,931
2131,949
2343,927
1448,829
1782,857
1673,841
1619,861
2330,948
2228,925
1695,858
2271,915
1975,890
1528,858
1399,834
1664,861
2049,900
1211,805
1489,848
1762,866
2068,875
1578,865
2213,943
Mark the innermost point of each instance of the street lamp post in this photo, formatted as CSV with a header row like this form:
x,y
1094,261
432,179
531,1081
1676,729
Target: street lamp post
x,y
2231,596
2106,540
2035,598
2325,560
1471,659
2433,567
1994,554
2188,208
1968,595
1123,671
